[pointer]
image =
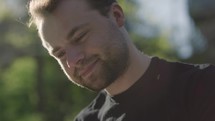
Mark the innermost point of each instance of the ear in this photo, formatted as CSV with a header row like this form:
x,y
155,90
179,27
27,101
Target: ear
x,y
117,14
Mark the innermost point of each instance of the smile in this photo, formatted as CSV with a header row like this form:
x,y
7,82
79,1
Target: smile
x,y
88,68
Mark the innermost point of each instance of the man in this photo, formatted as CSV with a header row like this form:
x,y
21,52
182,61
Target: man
x,y
90,42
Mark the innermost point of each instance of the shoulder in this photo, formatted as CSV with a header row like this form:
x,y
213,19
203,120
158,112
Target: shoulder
x,y
193,76
201,95
192,88
186,71
203,75
206,71
90,113
204,79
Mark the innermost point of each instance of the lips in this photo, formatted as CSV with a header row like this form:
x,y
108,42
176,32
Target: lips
x,y
88,68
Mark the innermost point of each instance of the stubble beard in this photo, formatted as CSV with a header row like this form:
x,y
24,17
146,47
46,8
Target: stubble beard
x,y
112,66
109,71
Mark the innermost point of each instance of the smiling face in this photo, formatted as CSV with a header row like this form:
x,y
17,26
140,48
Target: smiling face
x,y
90,47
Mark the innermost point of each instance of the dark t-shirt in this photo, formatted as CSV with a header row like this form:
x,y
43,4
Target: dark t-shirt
x,y
168,91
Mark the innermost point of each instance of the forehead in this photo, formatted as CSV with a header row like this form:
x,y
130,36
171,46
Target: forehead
x,y
71,9
68,10
47,29
67,15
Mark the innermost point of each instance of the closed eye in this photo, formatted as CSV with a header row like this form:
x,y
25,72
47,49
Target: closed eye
x,y
60,54
79,37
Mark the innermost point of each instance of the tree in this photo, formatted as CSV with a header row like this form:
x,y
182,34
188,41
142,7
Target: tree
x,y
203,14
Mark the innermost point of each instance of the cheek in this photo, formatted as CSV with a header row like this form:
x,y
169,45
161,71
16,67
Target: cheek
x,y
95,45
69,72
64,67
61,63
101,38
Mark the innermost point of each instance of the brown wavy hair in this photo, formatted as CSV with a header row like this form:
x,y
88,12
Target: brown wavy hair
x,y
41,8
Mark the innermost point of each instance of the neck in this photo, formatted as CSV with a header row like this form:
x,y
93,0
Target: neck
x,y
138,65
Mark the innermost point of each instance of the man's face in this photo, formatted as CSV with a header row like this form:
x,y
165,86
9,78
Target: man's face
x,y
89,47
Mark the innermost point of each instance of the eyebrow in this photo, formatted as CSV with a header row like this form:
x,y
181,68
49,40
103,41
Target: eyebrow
x,y
76,28
71,33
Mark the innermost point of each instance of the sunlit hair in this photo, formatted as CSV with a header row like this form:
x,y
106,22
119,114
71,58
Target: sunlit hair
x,y
41,8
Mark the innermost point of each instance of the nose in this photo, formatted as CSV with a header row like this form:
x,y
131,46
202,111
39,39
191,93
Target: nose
x,y
74,57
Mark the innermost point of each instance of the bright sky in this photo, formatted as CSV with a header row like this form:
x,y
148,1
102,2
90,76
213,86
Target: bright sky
x,y
170,16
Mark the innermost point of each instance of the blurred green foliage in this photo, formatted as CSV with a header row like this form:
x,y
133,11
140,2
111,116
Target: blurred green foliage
x,y
32,85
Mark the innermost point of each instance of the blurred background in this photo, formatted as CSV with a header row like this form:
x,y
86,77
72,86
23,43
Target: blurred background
x,y
34,88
